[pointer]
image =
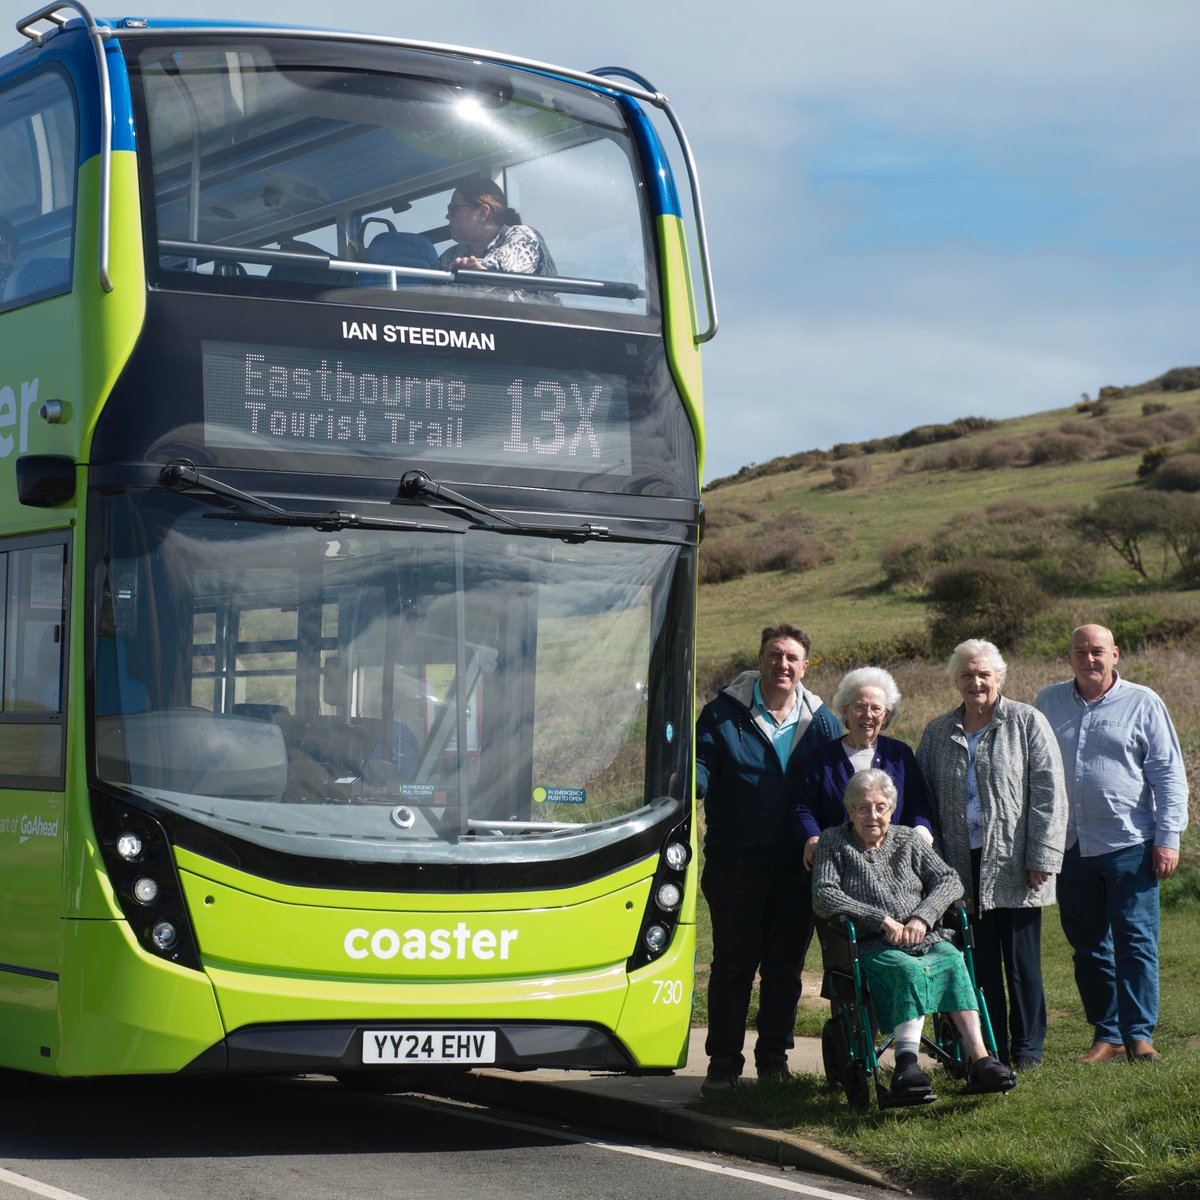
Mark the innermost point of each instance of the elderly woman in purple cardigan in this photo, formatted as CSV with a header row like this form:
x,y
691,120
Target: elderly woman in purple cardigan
x,y
866,701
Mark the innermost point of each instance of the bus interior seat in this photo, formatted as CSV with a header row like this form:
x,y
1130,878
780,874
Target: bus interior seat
x,y
308,272
42,275
391,249
193,750
263,712
340,748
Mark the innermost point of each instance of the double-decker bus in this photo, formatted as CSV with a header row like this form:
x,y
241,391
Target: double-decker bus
x,y
347,575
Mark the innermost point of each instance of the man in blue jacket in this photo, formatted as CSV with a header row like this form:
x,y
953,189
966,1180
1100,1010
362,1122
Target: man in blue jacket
x,y
751,742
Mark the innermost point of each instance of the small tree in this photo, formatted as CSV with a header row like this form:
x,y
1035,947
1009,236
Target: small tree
x,y
1143,527
1127,521
1179,527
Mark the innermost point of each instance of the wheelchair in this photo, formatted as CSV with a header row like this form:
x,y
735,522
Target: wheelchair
x,y
850,1048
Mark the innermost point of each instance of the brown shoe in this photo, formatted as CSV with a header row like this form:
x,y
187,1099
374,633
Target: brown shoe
x,y
1100,1052
1139,1051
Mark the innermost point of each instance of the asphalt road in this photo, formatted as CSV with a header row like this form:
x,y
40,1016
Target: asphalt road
x,y
309,1139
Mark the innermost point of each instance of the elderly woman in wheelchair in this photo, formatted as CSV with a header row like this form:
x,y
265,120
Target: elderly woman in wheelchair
x,y
880,892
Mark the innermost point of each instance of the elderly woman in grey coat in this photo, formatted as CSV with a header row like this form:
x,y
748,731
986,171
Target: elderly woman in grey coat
x,y
995,779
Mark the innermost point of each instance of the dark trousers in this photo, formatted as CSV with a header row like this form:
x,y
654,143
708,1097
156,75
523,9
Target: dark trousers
x,y
1008,950
761,921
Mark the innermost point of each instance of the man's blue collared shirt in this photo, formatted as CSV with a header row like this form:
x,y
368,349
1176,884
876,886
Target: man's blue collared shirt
x,y
1124,770
782,733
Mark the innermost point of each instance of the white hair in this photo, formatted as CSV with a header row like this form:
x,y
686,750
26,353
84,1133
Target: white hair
x,y
975,648
870,780
875,677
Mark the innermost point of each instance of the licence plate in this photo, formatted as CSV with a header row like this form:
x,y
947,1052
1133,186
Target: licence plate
x,y
429,1046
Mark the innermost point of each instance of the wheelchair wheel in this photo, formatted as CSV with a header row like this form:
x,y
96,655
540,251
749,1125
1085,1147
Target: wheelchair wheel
x,y
948,1041
858,1086
835,1051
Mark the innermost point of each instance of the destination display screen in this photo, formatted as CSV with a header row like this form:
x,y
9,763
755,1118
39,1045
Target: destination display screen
x,y
415,408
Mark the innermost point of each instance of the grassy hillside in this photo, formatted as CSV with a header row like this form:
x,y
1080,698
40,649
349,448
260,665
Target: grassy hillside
x,y
1087,452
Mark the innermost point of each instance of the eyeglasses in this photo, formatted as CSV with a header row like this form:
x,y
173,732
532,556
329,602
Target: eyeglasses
x,y
453,208
869,809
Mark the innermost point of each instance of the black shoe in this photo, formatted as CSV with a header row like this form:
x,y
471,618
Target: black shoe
x,y
990,1074
908,1077
773,1069
723,1074
1023,1062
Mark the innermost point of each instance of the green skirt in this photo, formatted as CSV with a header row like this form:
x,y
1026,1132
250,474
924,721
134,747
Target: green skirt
x,y
905,986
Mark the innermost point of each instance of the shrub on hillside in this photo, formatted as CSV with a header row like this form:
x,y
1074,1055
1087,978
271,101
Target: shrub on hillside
x,y
1177,473
1040,537
1154,458
947,456
981,598
1180,379
725,516
782,548
1154,406
1061,448
850,473
1001,454
789,550
725,558
1171,426
907,561
1136,624
925,435
1127,441
885,652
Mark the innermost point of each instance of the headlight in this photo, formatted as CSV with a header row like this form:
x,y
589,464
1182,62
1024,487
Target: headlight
x,y
129,846
145,890
676,855
163,935
655,938
668,897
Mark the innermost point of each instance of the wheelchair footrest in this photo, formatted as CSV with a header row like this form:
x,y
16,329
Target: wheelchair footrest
x,y
889,1099
989,1089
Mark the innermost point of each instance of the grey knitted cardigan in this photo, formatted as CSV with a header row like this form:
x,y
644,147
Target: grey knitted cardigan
x,y
903,878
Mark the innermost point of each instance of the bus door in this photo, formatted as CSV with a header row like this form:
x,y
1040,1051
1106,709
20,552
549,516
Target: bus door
x,y
33,643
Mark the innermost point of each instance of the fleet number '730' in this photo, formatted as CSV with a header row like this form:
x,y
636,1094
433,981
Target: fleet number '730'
x,y
668,991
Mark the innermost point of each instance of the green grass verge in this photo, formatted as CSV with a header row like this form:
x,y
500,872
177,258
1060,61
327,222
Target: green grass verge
x,y
1067,1131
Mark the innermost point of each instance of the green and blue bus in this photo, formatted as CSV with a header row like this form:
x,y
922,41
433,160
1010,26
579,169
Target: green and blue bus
x,y
347,584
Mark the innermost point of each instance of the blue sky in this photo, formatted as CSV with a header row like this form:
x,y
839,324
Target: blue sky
x,y
919,209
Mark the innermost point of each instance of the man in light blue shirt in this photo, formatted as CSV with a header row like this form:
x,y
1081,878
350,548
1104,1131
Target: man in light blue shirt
x,y
1127,800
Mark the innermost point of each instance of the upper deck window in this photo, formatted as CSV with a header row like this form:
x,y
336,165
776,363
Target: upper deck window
x,y
38,138
310,169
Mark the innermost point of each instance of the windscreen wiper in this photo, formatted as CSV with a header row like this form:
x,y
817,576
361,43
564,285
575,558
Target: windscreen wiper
x,y
182,475
417,485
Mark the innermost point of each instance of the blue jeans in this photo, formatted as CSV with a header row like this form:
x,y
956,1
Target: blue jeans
x,y
1109,910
